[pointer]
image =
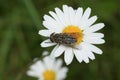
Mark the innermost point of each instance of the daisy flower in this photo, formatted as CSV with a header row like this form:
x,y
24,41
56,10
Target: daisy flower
x,y
69,21
48,69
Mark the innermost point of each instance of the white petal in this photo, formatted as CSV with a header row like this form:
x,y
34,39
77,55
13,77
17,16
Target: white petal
x,y
53,51
45,33
86,13
36,65
41,78
58,64
95,49
81,55
48,25
84,24
94,28
93,40
48,18
72,15
94,35
47,43
78,16
78,55
92,48
91,20
49,62
90,54
66,14
50,22
52,26
77,47
45,53
60,16
62,73
68,57
85,57
56,18
32,73
36,69
59,50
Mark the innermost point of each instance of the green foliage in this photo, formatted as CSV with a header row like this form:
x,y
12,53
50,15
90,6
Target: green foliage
x,y
20,21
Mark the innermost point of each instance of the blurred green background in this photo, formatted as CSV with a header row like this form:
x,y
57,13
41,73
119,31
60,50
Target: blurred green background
x,y
20,21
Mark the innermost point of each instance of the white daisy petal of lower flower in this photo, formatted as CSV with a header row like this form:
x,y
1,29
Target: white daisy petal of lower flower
x,y
59,50
62,73
94,35
58,64
45,33
93,40
92,48
94,28
86,13
48,62
40,65
32,73
47,43
45,53
68,55
37,67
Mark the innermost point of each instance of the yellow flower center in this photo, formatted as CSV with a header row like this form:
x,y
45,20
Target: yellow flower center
x,y
74,31
49,75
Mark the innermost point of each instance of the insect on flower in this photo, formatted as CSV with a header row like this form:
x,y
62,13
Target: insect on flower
x,y
64,38
73,32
